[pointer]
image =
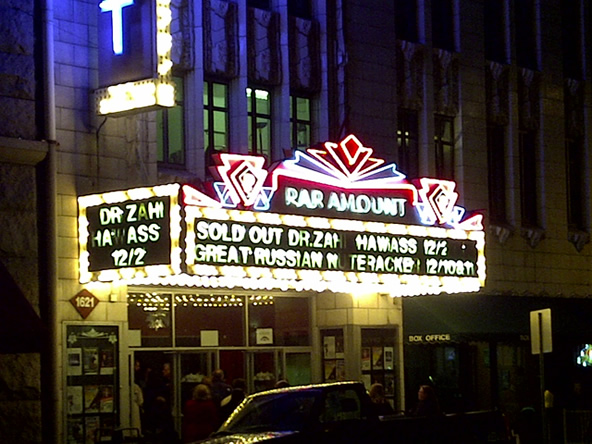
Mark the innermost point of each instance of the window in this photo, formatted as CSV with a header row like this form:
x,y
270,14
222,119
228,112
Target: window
x,y
261,4
300,122
407,140
443,24
571,39
170,131
575,184
528,188
406,20
444,145
287,319
259,115
525,22
495,31
300,8
496,135
215,110
197,316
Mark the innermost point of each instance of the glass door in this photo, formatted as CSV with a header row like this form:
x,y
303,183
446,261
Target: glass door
x,y
265,370
166,381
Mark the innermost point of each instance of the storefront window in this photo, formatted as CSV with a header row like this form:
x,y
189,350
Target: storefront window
x,y
150,315
280,321
218,320
209,320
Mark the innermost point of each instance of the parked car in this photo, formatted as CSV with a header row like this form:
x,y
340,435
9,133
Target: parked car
x,y
342,413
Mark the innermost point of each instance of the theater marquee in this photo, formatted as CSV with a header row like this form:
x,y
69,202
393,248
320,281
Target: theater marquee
x,y
331,218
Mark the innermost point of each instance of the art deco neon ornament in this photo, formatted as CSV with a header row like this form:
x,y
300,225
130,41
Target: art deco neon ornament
x,y
347,165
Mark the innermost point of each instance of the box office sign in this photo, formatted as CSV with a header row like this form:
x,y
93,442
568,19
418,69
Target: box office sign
x,y
332,217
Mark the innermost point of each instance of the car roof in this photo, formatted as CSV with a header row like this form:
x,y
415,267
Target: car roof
x,y
301,388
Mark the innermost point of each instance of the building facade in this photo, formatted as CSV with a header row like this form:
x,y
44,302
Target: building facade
x,y
480,94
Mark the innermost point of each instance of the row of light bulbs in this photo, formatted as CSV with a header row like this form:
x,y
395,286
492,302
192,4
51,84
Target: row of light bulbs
x,y
157,301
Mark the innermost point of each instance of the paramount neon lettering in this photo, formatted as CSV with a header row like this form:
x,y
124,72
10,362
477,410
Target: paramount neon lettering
x,y
116,9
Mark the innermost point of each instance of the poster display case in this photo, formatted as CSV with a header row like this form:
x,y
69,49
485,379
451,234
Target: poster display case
x,y
378,359
92,383
333,355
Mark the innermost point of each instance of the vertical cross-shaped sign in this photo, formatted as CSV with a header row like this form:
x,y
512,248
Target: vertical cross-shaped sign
x,y
116,9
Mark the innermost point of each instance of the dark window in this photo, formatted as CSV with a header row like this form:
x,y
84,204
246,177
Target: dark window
x,y
261,4
287,318
406,20
300,121
300,8
495,31
170,131
496,135
150,314
444,145
525,21
215,101
575,184
197,313
259,115
571,39
407,139
443,24
528,188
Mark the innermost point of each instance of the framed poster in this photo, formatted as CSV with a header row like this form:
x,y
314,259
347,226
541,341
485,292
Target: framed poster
x,y
91,359
333,355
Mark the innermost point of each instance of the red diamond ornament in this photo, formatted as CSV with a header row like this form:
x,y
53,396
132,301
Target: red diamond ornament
x,y
84,303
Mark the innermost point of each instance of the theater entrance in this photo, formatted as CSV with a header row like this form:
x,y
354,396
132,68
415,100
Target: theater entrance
x,y
173,374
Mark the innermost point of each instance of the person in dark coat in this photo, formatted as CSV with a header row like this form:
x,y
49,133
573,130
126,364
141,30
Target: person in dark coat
x,y
380,404
220,389
231,402
427,402
200,415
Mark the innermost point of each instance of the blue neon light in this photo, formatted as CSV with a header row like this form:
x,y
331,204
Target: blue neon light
x,y
116,9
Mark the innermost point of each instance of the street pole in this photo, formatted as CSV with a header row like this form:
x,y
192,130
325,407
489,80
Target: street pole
x,y
542,377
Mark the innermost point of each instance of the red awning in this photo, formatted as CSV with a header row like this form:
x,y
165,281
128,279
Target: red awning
x,y
21,328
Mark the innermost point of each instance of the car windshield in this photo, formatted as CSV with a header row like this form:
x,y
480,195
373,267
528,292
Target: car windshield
x,y
282,411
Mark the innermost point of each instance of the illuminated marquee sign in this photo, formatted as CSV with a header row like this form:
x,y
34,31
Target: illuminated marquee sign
x,y
135,67
126,233
229,242
330,218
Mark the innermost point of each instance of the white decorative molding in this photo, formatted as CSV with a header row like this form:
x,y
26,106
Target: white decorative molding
x,y
533,235
578,238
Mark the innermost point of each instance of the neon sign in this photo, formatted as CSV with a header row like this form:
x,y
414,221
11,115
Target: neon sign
x,y
330,218
339,180
116,9
585,357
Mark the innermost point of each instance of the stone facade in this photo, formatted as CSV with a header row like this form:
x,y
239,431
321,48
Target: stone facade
x,y
20,386
370,76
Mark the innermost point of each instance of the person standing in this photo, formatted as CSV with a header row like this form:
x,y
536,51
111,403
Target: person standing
x,y
380,404
137,405
428,407
220,389
427,402
200,415
231,402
